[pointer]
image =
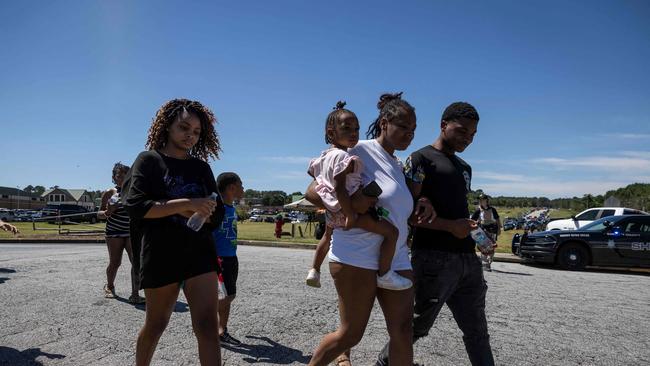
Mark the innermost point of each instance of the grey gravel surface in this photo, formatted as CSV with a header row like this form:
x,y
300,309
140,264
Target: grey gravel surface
x,y
52,312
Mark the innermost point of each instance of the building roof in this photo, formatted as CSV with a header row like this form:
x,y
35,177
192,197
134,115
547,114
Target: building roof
x,y
75,193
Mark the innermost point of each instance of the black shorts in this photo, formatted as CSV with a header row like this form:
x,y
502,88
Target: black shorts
x,y
229,271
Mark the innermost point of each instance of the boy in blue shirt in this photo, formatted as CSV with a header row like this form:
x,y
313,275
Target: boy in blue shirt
x,y
225,237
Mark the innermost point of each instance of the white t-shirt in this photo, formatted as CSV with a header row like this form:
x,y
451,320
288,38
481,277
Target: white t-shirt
x,y
358,247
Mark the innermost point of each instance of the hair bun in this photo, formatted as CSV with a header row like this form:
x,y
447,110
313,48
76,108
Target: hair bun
x,y
339,105
385,98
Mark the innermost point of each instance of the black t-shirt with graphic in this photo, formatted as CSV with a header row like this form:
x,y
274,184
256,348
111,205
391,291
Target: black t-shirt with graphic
x,y
171,251
446,181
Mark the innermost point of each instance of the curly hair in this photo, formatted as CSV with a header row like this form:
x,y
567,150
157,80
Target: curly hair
x,y
391,107
119,168
334,116
208,144
459,110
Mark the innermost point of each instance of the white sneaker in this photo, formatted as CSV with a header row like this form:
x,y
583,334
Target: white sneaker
x,y
391,280
313,278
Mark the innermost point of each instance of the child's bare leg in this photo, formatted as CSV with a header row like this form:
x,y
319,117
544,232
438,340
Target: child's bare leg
x,y
390,234
322,249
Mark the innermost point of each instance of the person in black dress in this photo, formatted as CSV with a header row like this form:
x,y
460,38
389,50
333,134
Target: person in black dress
x,y
168,184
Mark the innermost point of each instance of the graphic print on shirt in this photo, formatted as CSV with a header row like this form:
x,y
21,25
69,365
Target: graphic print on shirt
x,y
229,229
176,187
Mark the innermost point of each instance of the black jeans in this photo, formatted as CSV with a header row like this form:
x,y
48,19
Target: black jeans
x,y
457,280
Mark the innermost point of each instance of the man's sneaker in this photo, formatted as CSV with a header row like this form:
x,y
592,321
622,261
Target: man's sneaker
x,y
391,280
313,278
136,299
227,338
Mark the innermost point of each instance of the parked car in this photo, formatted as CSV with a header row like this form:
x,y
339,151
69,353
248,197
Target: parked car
x,y
622,240
509,225
255,218
589,215
269,219
7,215
59,213
24,216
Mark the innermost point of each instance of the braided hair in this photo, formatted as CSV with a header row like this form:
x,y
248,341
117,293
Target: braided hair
x,y
391,107
334,116
208,144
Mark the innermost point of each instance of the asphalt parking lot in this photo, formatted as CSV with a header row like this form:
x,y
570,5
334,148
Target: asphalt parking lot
x,y
52,312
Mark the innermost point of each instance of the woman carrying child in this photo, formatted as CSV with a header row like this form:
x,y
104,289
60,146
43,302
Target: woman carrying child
x,y
338,176
355,253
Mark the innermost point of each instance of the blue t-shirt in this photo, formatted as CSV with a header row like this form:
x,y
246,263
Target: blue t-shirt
x,y
225,237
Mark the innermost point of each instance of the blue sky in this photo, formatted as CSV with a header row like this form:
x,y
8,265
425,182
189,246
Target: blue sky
x,y
563,88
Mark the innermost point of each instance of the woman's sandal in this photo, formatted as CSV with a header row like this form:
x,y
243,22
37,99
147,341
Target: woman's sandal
x,y
343,361
109,292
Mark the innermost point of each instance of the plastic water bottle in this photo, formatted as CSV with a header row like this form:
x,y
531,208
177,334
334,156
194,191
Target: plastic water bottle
x,y
481,239
196,221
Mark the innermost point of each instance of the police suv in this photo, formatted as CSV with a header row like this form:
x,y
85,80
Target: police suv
x,y
610,241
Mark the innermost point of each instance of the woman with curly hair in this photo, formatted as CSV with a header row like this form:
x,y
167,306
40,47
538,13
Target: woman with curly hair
x,y
169,183
117,235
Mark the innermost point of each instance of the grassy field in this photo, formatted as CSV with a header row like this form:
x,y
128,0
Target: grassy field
x,y
247,231
265,231
50,231
561,213
261,231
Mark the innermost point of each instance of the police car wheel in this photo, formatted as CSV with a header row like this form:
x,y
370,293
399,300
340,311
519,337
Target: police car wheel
x,y
573,257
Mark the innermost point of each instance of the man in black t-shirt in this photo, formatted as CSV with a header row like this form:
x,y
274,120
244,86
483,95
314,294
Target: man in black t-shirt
x,y
445,265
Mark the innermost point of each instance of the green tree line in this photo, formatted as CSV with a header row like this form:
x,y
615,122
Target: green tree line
x,y
635,195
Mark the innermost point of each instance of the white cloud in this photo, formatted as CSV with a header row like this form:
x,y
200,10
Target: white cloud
x,y
630,164
498,176
549,188
629,136
637,154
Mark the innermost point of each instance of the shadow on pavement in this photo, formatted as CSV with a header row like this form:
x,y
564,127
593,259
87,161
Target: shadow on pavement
x,y
180,307
14,357
272,352
507,272
4,279
7,270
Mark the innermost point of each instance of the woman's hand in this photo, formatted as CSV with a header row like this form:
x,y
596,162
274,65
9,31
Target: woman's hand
x,y
361,203
204,206
423,212
110,209
187,214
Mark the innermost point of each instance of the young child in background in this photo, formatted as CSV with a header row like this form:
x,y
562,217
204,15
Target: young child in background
x,y
225,238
